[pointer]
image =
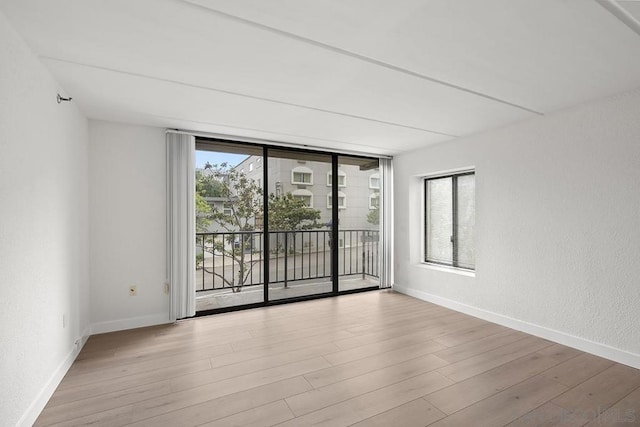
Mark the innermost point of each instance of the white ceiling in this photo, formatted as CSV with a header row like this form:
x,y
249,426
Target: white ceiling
x,y
362,75
632,7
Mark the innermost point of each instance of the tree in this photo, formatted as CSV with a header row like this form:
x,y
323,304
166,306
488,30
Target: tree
x,y
203,214
289,213
242,201
373,217
241,215
207,185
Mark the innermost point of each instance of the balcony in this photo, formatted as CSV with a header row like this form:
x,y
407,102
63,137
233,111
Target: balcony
x,y
230,265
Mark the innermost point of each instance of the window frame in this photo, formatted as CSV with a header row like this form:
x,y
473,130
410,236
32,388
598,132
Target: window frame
x,y
454,225
301,170
341,174
303,193
372,196
226,208
375,176
341,195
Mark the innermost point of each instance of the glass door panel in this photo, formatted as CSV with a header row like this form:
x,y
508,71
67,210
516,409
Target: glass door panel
x,y
229,236
359,222
299,224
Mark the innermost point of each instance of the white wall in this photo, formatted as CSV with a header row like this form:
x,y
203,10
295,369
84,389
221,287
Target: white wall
x,y
127,180
557,223
43,232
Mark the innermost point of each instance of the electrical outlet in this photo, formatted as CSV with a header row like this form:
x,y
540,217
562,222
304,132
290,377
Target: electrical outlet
x,y
133,290
166,288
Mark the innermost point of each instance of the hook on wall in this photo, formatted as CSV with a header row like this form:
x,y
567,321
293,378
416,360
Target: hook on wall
x,y
61,98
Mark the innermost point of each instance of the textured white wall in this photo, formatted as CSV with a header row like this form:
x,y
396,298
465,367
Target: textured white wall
x,y
127,225
557,223
43,231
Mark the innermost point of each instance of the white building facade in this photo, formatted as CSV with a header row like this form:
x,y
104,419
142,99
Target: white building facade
x,y
311,181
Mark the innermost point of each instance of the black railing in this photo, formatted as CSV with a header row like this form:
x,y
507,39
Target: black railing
x,y
235,259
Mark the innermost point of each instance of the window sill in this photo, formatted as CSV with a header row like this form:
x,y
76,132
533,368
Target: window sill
x,y
447,269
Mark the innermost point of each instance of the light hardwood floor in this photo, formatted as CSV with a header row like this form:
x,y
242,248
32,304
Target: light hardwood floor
x,y
370,359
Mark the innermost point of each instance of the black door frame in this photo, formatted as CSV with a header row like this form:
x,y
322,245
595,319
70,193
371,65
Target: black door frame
x,y
266,245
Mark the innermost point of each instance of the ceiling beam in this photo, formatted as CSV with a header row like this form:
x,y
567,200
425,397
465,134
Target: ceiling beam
x,y
245,95
354,55
621,13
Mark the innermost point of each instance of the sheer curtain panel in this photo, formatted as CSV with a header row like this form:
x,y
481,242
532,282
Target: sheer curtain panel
x,y
181,224
386,223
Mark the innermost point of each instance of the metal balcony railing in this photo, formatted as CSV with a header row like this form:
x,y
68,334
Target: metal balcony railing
x,y
236,259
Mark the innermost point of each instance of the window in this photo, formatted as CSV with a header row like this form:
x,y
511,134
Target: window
x,y
374,181
304,195
342,179
450,220
226,208
342,200
302,176
374,201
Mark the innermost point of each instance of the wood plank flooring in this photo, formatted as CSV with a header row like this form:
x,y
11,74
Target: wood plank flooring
x,y
369,359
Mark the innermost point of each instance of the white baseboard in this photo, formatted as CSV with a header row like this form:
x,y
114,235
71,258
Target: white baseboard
x,y
31,414
602,350
130,323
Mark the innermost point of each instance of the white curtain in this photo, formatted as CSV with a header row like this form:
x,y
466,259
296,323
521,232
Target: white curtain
x,y
181,219
386,223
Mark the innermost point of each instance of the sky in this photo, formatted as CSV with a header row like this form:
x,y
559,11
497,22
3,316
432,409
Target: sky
x,y
215,158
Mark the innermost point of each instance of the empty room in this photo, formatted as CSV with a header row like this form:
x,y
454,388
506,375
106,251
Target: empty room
x,y
338,213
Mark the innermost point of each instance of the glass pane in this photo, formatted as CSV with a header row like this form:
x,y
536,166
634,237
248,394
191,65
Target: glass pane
x,y
229,237
299,232
466,220
439,227
301,177
341,179
359,224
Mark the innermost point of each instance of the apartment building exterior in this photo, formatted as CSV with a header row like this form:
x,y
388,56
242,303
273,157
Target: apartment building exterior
x,y
358,187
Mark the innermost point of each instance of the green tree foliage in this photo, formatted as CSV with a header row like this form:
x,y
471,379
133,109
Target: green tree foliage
x,y
207,185
373,217
289,213
203,214
241,196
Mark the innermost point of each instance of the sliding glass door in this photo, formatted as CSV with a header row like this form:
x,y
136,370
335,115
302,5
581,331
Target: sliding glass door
x,y
358,205
300,227
229,230
277,224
